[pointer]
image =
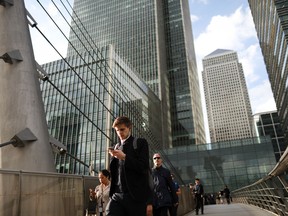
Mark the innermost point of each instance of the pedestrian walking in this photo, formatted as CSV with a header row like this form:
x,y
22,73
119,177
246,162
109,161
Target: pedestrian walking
x,y
173,208
164,193
226,192
129,191
101,193
198,195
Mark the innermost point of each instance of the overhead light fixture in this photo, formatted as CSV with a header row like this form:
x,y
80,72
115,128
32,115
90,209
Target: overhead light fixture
x,y
6,2
12,57
21,138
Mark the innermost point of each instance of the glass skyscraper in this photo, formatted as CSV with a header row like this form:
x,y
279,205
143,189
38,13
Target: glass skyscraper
x,y
83,96
271,23
268,124
156,38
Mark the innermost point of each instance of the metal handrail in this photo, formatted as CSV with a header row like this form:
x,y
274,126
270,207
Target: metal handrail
x,y
269,193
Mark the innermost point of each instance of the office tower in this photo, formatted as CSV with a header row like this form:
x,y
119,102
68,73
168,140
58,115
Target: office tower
x,y
268,124
271,23
155,37
83,96
227,101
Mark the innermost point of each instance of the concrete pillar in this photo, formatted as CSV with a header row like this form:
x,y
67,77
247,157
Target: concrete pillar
x,y
21,104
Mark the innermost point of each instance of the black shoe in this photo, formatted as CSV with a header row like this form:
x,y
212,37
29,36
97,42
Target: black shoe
x,y
196,213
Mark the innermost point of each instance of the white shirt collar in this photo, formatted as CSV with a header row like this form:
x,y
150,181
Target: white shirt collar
x,y
122,141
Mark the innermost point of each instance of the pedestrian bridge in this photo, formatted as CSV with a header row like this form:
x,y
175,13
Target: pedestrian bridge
x,y
34,193
235,209
27,193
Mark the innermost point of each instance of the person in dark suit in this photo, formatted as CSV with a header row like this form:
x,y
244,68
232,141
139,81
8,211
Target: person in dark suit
x,y
129,191
164,193
227,194
199,193
173,208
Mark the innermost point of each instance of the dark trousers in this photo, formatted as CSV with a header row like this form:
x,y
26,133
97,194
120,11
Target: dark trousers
x,y
199,204
162,211
228,199
173,210
122,204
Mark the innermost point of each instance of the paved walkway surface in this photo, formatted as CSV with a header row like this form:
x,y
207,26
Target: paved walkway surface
x,y
234,209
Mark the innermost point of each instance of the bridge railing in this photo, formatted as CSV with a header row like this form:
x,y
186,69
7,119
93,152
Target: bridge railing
x,y
269,193
32,193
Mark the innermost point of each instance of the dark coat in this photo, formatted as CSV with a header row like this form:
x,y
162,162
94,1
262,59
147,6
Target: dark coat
x,y
226,192
134,169
164,188
198,191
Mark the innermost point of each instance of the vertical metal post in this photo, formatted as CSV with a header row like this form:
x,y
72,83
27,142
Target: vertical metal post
x,y
110,104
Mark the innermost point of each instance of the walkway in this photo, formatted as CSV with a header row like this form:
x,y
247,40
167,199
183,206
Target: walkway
x,y
235,209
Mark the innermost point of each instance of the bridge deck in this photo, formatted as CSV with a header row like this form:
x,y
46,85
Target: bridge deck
x,y
235,209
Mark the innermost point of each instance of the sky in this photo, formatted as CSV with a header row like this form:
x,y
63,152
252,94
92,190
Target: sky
x,y
42,49
228,24
216,24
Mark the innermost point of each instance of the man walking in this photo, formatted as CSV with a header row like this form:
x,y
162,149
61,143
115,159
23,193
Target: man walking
x,y
129,189
227,194
173,208
198,192
164,195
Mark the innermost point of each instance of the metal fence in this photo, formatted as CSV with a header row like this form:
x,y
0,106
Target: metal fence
x,y
269,193
30,193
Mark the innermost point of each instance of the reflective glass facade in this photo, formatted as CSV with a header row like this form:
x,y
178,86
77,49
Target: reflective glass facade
x,y
271,23
83,96
268,124
235,163
184,91
156,38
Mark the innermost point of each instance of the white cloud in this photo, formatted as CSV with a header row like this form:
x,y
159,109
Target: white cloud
x,y
226,32
251,58
261,98
205,2
194,18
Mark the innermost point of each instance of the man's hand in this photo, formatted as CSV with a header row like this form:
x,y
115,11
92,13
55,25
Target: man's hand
x,y
117,154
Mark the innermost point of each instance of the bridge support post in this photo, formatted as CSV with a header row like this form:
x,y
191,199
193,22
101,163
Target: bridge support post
x,y
21,104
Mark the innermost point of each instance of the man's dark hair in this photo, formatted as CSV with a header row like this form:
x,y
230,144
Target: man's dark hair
x,y
122,120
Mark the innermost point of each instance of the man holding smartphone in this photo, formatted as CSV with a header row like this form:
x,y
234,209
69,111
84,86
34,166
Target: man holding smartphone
x,y
129,190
